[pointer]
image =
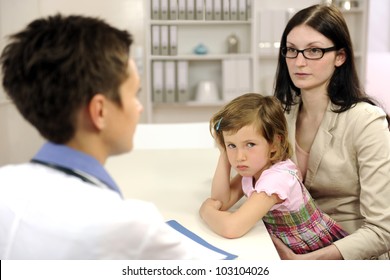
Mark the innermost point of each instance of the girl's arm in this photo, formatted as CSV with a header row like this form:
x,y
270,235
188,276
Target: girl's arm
x,y
227,191
236,224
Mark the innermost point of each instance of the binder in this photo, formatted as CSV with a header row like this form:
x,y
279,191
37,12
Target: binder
x,y
217,12
229,81
155,40
242,9
199,7
164,40
248,9
190,9
233,10
279,21
169,82
172,9
157,81
243,72
173,40
155,9
208,9
164,9
182,81
265,34
226,9
181,6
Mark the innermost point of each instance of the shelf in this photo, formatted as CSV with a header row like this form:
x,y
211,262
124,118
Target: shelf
x,y
200,22
252,68
190,104
206,57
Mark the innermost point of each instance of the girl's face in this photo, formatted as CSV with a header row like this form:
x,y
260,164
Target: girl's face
x,y
248,151
311,74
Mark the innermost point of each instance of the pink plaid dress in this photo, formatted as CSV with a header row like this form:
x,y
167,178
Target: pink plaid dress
x,y
298,222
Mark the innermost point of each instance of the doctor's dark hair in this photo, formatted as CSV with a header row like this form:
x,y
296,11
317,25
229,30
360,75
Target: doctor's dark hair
x,y
264,112
344,89
57,64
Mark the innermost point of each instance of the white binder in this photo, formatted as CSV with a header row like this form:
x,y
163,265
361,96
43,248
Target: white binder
x,y
242,9
199,9
182,81
172,9
226,9
217,11
233,10
164,9
155,9
155,40
248,9
181,7
190,9
236,77
265,34
208,9
279,22
173,40
229,81
243,71
164,40
169,82
157,81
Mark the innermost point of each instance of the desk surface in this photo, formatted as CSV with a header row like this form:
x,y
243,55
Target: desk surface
x,y
177,182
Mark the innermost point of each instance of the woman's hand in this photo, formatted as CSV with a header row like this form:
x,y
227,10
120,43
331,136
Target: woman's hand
x,y
285,253
326,253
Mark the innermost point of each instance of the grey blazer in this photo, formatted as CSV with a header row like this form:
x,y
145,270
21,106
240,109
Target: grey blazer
x,y
349,176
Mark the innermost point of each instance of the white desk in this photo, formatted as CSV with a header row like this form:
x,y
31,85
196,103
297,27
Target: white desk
x,y
177,182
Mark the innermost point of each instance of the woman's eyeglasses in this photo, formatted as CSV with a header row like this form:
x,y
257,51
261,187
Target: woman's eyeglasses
x,y
309,53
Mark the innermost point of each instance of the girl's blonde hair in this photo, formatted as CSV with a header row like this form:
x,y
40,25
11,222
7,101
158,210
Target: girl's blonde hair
x,y
264,112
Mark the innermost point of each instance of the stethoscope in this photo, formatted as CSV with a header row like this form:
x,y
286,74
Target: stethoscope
x,y
84,177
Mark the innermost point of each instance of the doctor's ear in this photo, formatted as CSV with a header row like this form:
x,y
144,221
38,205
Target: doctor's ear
x,y
97,110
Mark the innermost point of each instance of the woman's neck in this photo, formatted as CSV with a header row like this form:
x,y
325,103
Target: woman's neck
x,y
313,104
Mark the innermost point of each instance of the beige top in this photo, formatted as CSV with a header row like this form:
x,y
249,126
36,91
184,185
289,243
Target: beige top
x,y
302,160
348,176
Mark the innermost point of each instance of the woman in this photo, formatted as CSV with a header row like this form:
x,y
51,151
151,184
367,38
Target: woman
x,y
340,136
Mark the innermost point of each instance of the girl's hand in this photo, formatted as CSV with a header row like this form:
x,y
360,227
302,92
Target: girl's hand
x,y
219,145
209,204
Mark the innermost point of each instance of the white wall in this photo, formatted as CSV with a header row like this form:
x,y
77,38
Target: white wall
x,y
124,14
378,56
18,139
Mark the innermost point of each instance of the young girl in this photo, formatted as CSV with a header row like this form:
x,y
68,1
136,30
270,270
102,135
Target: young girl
x,y
251,133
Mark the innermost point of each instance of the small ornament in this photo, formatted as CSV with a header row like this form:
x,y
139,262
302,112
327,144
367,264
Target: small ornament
x,y
232,44
200,49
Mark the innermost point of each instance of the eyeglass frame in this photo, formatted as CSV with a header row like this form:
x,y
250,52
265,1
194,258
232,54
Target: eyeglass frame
x,y
323,50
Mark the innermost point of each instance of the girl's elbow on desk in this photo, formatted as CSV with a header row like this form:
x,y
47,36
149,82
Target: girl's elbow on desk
x,y
223,223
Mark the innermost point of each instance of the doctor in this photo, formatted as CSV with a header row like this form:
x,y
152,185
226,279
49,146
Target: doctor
x,y
72,78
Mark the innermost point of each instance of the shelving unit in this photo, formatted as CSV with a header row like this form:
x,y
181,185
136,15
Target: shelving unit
x,y
212,34
259,65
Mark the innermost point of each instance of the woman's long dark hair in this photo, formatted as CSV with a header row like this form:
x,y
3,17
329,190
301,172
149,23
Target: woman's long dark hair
x,y
344,88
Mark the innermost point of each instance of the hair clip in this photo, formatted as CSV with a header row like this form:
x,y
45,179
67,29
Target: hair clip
x,y
218,124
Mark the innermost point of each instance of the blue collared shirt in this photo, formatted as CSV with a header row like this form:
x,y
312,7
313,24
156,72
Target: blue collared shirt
x,y
72,159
